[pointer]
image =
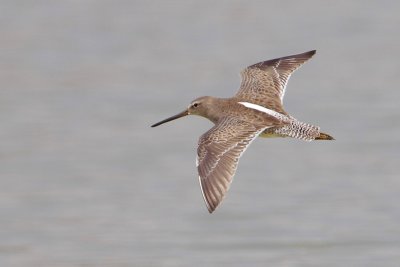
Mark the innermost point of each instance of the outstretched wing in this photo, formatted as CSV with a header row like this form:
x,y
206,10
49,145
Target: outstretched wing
x,y
218,155
264,83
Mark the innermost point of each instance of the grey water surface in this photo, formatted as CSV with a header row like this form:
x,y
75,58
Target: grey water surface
x,y
85,181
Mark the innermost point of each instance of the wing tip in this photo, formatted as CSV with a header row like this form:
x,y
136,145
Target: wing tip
x,y
210,210
311,52
212,207
303,57
307,55
209,205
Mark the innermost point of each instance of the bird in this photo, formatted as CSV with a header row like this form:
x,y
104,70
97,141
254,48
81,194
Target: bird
x,y
256,110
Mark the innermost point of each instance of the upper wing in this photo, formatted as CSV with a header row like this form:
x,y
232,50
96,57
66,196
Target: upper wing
x,y
218,155
264,83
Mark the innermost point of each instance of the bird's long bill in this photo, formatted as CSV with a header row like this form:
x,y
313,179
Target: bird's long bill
x,y
177,116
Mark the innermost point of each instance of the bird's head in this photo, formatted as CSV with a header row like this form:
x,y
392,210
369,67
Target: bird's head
x,y
200,106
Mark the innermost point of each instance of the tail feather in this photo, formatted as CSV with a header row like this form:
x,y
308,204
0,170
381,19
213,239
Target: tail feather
x,y
324,136
299,130
296,129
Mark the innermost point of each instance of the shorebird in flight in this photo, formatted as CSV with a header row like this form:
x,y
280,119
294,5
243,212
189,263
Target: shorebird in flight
x,y
255,110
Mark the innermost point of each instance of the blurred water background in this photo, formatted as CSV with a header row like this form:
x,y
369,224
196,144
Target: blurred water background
x,y
84,180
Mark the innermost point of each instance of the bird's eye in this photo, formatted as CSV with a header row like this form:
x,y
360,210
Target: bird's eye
x,y
195,105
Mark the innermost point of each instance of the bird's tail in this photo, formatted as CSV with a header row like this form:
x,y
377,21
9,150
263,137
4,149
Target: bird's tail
x,y
298,130
324,136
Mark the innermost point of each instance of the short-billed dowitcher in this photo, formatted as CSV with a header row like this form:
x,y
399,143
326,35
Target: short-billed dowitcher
x,y
255,110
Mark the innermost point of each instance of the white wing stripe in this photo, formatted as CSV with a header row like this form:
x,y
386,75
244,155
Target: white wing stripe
x,y
270,112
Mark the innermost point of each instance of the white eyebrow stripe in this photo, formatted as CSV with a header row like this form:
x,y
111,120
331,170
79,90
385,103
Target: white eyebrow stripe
x,y
262,109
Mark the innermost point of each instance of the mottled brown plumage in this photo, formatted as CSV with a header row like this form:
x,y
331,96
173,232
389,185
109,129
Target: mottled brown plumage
x,y
265,83
256,110
218,155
